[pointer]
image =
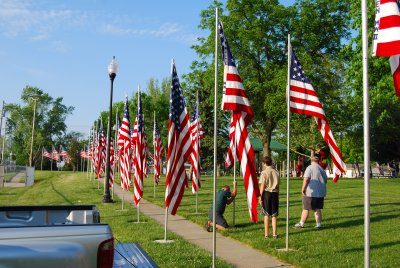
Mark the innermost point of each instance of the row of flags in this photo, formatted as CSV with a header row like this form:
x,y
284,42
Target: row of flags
x,y
184,135
55,155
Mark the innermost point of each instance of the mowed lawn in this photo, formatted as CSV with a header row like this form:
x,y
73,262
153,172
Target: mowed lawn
x,y
74,188
339,244
341,241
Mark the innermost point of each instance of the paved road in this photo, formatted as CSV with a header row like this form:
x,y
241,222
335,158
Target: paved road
x,y
232,251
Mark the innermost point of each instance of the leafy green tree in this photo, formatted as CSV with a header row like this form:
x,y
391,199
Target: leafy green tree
x,y
50,127
257,32
384,108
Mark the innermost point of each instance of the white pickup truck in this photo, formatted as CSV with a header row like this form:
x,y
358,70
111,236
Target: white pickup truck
x,y
54,236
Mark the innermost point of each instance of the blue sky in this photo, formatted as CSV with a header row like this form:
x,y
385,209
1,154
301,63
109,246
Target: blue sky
x,y
64,47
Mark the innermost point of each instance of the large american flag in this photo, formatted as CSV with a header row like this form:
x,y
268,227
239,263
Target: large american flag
x,y
158,152
386,37
234,98
196,133
45,153
139,157
304,100
124,144
179,146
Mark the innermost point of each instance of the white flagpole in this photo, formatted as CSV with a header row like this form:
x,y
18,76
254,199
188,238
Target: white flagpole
x,y
215,137
154,156
234,180
288,143
364,9
198,153
41,162
166,222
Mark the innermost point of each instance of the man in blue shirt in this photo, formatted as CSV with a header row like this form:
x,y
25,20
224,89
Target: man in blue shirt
x,y
223,197
314,192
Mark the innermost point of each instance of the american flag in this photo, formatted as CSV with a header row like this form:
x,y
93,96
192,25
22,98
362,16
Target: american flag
x,y
158,152
64,154
124,144
196,131
112,163
45,153
139,158
386,37
235,99
101,155
231,154
84,154
179,146
54,154
304,100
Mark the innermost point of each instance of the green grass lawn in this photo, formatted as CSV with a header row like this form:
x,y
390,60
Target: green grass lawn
x,y
339,244
74,188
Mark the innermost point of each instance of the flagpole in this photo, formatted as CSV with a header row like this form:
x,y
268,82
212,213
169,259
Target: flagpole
x,y
154,156
198,152
51,165
166,222
215,137
288,143
234,200
41,162
364,9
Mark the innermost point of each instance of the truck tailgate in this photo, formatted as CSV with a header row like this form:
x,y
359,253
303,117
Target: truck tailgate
x,y
52,246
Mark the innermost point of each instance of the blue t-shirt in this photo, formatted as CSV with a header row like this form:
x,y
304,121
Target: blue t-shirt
x,y
221,199
317,185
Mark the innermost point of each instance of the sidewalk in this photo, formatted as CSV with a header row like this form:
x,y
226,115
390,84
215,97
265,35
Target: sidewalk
x,y
232,251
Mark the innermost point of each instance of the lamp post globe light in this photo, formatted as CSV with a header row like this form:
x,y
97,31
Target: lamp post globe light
x,y
112,72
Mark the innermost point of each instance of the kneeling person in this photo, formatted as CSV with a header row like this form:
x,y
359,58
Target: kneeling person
x,y
223,198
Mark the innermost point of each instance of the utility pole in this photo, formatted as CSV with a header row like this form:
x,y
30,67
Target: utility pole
x,y
33,130
1,126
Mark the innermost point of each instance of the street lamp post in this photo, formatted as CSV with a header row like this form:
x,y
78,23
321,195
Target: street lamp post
x,y
112,72
33,131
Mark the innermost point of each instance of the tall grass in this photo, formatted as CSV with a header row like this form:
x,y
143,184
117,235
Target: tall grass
x,y
74,188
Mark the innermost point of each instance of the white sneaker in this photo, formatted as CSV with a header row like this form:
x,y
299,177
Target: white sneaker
x,y
298,226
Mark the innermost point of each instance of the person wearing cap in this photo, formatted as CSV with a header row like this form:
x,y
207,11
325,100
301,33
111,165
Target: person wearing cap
x,y
314,192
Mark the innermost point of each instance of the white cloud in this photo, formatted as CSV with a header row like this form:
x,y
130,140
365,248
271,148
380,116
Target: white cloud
x,y
26,17
164,30
41,20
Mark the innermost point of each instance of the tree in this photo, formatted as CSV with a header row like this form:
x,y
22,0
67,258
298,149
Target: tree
x,y
257,32
49,123
384,108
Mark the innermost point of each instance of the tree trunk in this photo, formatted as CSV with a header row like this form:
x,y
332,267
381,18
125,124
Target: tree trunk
x,y
266,138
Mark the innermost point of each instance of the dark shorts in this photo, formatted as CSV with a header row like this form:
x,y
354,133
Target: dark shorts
x,y
219,218
270,204
313,203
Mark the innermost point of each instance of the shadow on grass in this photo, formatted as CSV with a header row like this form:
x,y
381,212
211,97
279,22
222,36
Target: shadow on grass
x,y
375,246
375,205
8,194
60,194
360,221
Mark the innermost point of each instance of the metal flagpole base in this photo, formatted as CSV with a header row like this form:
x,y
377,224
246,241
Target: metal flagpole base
x,y
164,241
